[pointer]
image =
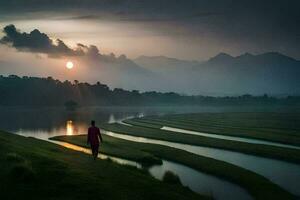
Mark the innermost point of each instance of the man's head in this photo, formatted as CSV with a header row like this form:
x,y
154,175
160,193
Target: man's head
x,y
93,123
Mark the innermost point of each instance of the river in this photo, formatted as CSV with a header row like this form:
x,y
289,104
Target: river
x,y
43,123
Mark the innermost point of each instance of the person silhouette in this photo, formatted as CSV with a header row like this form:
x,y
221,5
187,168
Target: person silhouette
x,y
93,139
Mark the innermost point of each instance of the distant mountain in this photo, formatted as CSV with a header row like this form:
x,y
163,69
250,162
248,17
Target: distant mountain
x,y
160,64
221,58
272,58
122,73
272,73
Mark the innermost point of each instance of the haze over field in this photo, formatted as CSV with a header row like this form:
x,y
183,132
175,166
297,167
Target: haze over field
x,y
211,48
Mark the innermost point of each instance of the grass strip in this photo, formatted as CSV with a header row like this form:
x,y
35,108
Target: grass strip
x,y
35,169
284,136
258,186
291,155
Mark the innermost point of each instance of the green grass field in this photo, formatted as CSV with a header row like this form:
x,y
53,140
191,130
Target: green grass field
x,y
35,169
291,155
115,147
276,127
258,186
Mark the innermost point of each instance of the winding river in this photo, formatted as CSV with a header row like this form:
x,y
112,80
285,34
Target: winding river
x,y
195,180
43,123
226,137
285,174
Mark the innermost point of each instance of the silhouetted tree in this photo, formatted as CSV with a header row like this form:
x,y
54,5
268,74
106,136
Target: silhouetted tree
x,y
15,90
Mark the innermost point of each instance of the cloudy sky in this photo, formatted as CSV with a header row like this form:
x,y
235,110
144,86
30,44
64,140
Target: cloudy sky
x,y
47,33
192,29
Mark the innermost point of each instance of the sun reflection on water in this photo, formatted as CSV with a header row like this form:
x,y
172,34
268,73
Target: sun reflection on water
x,y
70,127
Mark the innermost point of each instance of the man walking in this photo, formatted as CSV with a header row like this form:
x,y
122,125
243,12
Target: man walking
x,y
93,139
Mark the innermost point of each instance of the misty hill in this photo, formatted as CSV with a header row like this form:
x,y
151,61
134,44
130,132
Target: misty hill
x,y
121,72
165,64
271,73
269,59
222,75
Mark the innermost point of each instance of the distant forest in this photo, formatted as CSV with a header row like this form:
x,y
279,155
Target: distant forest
x,y
33,91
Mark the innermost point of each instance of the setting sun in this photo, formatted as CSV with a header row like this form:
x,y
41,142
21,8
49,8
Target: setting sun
x,y
69,65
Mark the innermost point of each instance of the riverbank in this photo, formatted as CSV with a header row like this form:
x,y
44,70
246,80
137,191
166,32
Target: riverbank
x,y
35,169
291,155
270,126
258,186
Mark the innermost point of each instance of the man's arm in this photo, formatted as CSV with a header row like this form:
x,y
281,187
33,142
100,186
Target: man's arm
x,y
99,133
88,137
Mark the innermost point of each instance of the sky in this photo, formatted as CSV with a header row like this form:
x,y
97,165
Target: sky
x,y
192,29
183,29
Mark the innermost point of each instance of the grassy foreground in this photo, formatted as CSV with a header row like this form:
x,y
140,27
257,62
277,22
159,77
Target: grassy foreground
x,y
35,169
115,147
258,186
291,155
276,127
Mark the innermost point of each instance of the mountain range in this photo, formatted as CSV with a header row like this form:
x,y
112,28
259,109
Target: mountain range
x,y
222,75
272,73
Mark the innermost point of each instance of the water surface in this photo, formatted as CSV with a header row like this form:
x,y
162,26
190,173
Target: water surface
x,y
285,174
43,122
225,137
201,182
195,180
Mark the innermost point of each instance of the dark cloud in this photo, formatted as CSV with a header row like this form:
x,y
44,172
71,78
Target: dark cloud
x,y
37,42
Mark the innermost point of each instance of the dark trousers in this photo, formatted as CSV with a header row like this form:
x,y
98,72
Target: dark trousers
x,y
95,148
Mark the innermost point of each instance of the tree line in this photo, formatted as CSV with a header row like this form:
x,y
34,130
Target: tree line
x,y
35,91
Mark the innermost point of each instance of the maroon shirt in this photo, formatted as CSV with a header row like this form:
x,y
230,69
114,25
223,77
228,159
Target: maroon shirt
x,y
94,135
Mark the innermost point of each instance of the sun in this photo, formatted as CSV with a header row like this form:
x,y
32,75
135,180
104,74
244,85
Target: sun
x,y
69,65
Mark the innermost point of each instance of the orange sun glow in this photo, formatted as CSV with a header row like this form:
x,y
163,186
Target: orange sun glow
x,y
69,65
